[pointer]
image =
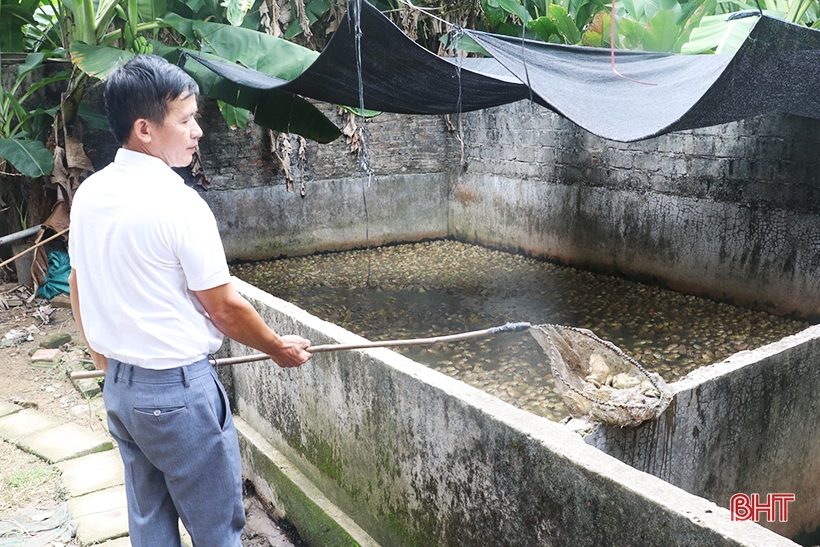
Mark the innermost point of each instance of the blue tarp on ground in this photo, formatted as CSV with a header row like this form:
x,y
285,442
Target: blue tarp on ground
x,y
59,267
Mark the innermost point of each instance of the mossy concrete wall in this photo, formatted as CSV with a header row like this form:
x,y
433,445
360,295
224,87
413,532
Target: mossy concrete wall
x,y
746,425
415,458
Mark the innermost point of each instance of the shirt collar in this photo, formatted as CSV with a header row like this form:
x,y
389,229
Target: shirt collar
x,y
131,158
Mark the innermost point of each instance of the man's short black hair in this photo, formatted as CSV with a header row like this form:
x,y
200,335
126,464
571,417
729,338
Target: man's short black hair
x,y
143,88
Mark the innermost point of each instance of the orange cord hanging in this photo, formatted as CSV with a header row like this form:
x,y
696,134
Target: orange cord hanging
x,y
612,49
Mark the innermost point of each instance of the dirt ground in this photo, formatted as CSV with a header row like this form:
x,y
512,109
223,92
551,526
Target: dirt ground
x,y
25,480
49,391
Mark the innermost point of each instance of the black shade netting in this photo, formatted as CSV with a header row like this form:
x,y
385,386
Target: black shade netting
x,y
776,69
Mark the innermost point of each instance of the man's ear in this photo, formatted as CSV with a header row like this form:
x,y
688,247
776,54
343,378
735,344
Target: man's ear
x,y
142,130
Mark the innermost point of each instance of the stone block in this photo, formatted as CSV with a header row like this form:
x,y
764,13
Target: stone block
x,y
88,387
8,408
92,473
26,422
65,442
62,300
46,358
55,340
100,516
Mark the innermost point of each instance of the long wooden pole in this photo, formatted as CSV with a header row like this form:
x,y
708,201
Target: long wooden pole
x,y
509,327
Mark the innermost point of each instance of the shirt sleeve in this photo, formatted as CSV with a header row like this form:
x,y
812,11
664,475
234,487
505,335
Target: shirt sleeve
x,y
199,247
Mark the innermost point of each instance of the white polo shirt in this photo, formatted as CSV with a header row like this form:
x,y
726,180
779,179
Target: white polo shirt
x,y
140,242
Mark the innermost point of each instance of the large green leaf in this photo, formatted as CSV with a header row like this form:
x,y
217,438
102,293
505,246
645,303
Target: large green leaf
x,y
98,61
516,8
539,7
92,117
691,18
634,8
717,33
651,7
274,109
314,9
13,17
236,118
29,157
463,43
661,32
252,49
597,33
33,60
235,11
582,11
493,12
544,27
506,29
151,10
35,86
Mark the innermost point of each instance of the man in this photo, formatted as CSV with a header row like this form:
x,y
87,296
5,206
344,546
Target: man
x,y
152,295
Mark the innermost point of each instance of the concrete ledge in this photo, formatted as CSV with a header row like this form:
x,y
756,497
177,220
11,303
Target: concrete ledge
x,y
119,542
277,481
747,425
417,458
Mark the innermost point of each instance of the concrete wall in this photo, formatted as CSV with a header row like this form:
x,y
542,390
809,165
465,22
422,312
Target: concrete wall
x,y
746,425
342,208
411,457
729,211
405,200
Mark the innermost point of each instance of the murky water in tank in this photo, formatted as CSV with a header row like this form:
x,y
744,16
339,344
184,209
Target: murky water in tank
x,y
444,287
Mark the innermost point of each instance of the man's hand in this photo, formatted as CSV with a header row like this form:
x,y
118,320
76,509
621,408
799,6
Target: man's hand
x,y
292,353
100,361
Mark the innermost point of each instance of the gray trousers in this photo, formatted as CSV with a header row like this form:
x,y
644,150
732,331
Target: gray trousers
x,y
178,443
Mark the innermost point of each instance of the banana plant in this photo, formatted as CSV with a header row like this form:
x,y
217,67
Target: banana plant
x,y
23,156
657,25
237,13
15,15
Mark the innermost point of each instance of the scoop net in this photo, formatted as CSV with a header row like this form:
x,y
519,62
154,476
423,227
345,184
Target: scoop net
x,y
599,382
